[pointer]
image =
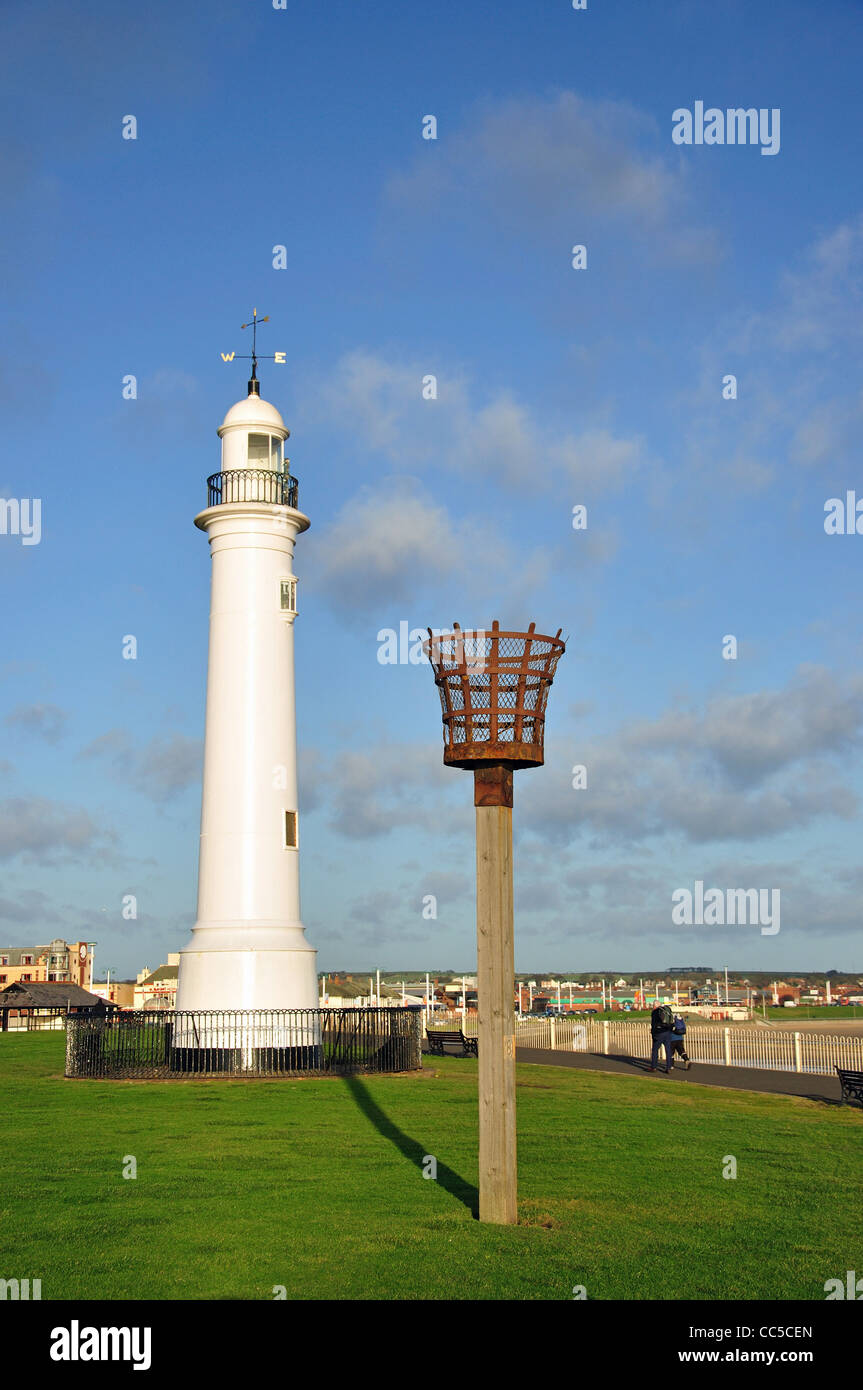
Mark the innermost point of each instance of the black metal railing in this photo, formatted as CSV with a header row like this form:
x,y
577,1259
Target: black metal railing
x,y
252,485
251,1042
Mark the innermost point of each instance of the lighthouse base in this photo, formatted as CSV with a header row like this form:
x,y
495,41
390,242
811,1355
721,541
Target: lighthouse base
x,y
247,967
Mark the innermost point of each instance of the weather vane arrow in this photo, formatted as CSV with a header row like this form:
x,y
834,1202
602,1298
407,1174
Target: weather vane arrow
x,y
279,357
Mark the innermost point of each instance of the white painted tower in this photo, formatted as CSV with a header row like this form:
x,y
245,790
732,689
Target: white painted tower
x,y
248,948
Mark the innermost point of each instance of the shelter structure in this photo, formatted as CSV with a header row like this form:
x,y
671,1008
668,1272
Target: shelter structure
x,y
38,1004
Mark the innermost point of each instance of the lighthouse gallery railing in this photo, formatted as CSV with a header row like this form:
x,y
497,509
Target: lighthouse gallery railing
x,y
253,485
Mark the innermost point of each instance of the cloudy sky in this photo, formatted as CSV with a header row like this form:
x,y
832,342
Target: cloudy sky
x,y
556,387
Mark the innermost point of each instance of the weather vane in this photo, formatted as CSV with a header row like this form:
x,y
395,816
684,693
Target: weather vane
x,y
252,356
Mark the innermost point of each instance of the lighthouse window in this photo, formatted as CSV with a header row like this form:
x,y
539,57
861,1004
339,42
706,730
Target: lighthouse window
x,y
289,595
259,450
291,841
275,454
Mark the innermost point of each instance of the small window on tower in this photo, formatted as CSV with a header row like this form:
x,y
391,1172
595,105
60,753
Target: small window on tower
x,y
289,595
291,841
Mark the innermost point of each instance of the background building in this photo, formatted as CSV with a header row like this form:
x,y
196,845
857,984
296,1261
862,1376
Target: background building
x,y
61,962
120,992
157,989
30,1005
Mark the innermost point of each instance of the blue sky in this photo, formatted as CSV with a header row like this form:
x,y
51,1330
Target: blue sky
x,y
260,127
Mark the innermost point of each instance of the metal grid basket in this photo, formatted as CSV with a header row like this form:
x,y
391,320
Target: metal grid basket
x,y
493,689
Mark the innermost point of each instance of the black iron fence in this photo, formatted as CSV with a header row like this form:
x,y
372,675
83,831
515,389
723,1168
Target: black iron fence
x,y
253,1042
252,485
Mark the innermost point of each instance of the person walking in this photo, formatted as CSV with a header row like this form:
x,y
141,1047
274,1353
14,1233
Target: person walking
x,y
662,1035
678,1049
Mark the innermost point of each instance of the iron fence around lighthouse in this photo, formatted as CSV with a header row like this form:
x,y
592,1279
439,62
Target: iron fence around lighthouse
x,y
168,1044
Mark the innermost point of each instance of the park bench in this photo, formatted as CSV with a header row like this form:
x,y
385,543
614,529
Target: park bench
x,y
852,1085
439,1039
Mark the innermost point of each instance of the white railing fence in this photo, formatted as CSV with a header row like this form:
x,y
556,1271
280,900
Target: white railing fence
x,y
452,1018
730,1046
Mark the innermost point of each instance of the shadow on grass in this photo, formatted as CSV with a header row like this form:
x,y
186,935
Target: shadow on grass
x,y
456,1186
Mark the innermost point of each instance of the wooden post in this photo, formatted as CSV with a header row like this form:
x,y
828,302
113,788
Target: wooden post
x,y
495,985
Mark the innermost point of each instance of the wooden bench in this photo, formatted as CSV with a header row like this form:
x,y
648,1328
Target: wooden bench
x,y
852,1085
439,1038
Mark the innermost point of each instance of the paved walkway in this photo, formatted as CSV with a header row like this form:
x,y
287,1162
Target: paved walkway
x,y
788,1083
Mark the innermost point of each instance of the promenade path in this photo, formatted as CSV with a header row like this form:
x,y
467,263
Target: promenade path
x,y
789,1083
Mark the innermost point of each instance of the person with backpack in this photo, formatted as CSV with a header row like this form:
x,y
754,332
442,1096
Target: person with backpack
x,y
678,1028
662,1034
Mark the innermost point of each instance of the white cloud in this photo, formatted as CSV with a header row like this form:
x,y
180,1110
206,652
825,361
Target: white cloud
x,y
393,543
47,722
160,769
822,300
388,541
544,165
45,832
797,363
745,767
380,402
387,786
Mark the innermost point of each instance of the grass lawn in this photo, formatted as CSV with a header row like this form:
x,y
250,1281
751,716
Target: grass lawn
x,y
317,1185
846,1011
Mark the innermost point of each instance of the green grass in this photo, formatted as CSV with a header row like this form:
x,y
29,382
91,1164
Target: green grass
x,y
317,1185
846,1011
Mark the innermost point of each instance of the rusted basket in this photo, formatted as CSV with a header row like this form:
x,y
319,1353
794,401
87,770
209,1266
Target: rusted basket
x,y
493,689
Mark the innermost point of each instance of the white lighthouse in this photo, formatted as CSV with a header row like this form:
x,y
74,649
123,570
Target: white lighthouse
x,y
248,948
